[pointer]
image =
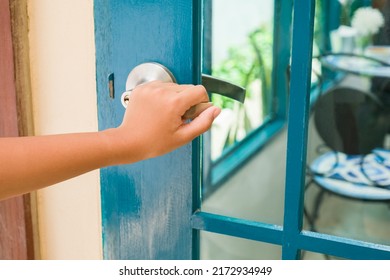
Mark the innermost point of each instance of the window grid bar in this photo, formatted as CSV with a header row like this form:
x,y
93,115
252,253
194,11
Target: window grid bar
x,y
302,41
237,227
342,247
307,240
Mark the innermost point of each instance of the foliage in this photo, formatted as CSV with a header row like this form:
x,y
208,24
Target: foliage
x,y
246,65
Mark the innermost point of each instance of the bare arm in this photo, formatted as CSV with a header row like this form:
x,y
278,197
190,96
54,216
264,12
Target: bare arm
x,y
152,126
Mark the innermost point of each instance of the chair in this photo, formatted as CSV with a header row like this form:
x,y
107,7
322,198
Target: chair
x,y
375,69
353,125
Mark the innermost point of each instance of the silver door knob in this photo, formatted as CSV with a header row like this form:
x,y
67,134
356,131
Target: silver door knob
x,y
151,71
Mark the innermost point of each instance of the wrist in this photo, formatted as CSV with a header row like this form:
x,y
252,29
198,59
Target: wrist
x,y
112,146
120,149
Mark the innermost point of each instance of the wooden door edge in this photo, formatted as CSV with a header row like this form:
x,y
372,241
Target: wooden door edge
x,y
20,44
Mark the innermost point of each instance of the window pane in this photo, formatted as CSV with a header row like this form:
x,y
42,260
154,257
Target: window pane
x,y
245,177
348,182
223,247
307,255
241,52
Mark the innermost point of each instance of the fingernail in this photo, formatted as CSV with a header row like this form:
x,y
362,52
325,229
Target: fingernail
x,y
216,112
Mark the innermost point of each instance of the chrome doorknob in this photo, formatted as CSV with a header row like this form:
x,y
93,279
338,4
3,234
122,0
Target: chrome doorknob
x,y
143,73
152,71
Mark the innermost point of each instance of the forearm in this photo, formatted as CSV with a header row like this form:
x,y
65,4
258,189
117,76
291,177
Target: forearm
x,y
153,125
30,163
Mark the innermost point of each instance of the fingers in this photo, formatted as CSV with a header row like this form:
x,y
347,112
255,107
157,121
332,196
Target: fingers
x,y
196,110
194,95
185,96
191,94
174,87
199,125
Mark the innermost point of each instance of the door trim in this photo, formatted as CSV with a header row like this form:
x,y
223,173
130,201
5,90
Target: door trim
x,y
19,235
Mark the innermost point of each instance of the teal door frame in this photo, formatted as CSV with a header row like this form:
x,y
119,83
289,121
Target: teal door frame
x,y
152,209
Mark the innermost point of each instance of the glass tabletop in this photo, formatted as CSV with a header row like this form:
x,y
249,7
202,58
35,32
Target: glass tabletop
x,y
356,64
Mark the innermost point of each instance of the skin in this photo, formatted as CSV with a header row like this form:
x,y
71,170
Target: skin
x,y
154,111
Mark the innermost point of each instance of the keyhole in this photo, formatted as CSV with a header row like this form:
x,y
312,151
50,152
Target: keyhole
x,y
125,98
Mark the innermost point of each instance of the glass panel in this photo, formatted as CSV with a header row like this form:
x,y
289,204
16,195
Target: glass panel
x,y
255,192
223,247
242,43
241,52
348,178
307,255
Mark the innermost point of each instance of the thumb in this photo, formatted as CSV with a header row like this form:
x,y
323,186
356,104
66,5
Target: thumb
x,y
199,125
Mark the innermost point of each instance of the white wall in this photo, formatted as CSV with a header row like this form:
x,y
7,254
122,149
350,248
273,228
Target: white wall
x,y
64,99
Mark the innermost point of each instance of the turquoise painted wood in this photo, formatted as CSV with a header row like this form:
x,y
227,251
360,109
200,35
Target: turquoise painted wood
x,y
146,207
241,228
298,123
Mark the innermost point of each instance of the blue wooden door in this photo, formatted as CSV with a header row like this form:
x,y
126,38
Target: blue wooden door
x,y
146,207
151,209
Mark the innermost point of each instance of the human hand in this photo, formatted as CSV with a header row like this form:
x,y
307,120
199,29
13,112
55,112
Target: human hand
x,y
153,124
